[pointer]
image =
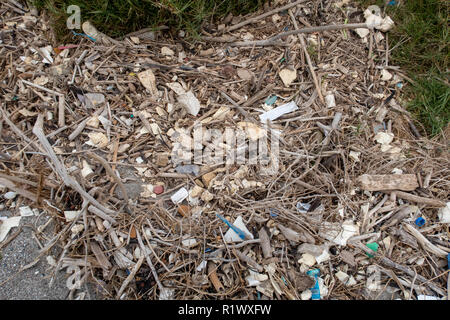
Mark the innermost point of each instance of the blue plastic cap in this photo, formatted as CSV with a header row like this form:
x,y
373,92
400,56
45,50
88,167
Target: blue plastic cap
x,y
420,221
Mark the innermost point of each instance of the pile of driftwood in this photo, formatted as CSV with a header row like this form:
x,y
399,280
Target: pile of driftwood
x,y
350,202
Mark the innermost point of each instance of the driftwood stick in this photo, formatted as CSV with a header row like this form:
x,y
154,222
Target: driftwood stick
x,y
31,84
264,15
149,261
248,260
111,173
59,167
265,243
389,263
379,182
270,41
5,117
308,58
78,129
425,243
241,111
61,111
410,197
130,277
101,214
22,192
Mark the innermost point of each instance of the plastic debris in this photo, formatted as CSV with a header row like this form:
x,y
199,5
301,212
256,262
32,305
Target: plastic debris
x,y
278,112
10,195
179,196
237,232
26,211
303,207
444,214
271,100
339,233
6,224
420,221
373,246
315,291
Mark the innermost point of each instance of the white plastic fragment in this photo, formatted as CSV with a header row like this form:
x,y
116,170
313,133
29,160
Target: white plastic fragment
x,y
202,265
71,215
330,101
87,170
362,32
339,233
26,211
278,112
166,294
444,214
306,295
186,99
46,52
190,102
189,243
232,236
6,224
51,261
354,155
10,195
179,196
385,75
384,137
255,279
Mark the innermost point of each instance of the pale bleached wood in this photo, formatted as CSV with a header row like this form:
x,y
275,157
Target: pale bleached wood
x,y
61,169
379,182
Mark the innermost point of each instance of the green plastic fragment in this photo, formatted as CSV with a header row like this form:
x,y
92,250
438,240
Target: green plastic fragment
x,y
373,246
271,100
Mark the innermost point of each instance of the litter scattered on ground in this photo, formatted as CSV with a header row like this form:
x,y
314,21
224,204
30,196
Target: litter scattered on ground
x,y
340,201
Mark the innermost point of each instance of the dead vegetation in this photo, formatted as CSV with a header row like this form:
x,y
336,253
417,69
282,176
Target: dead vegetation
x,y
88,132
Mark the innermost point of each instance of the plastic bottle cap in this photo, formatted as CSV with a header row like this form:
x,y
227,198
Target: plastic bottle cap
x,y
420,221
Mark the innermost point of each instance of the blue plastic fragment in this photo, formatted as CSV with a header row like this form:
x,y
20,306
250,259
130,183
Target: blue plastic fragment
x,y
392,3
315,291
271,100
420,221
84,35
273,213
208,250
399,85
239,232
